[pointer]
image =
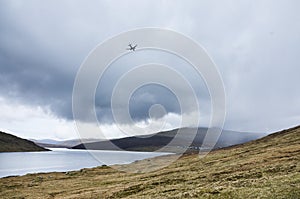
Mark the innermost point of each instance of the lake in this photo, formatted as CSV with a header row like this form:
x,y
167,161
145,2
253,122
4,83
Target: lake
x,y
59,159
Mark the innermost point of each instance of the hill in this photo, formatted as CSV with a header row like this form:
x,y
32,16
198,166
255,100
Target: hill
x,y
61,143
11,143
156,141
264,168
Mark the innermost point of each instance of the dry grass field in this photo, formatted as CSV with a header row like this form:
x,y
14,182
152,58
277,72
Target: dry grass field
x,y
265,168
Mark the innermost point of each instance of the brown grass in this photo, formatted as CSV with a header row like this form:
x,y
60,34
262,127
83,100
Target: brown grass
x,y
266,168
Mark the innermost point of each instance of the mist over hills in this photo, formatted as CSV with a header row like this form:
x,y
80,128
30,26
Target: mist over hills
x,y
161,139
52,143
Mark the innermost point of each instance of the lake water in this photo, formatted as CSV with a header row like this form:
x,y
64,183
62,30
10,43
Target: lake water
x,y
21,163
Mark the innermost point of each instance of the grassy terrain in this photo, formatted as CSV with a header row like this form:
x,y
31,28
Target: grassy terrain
x,y
266,168
11,143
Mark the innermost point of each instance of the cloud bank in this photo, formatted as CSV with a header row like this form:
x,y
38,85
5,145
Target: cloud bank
x,y
255,45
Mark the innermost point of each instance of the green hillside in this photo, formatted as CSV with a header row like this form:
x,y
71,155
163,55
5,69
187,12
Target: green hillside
x,y
265,168
11,143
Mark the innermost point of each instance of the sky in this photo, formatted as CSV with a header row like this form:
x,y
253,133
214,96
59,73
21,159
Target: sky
x,y
254,44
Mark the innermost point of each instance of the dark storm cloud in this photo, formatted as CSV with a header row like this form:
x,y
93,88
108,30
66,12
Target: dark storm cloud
x,y
36,80
146,96
255,44
31,74
21,80
140,103
41,49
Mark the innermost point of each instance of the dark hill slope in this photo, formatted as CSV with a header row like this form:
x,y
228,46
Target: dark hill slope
x,y
161,139
11,143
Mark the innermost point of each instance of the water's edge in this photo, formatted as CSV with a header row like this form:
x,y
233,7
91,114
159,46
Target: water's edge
x,y
64,160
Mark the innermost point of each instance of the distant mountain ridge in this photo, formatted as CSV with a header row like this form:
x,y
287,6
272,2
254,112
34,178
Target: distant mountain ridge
x,y
161,139
11,143
51,143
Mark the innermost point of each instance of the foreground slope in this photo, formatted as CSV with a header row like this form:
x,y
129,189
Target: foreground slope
x,y
265,168
11,143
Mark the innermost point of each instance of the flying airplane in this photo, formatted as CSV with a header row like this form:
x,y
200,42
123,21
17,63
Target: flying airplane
x,y
132,47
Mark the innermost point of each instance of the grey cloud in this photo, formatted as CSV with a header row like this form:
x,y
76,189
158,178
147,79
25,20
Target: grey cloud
x,y
143,98
42,47
255,44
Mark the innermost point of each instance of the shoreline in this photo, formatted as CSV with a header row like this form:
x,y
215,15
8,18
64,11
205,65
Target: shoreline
x,y
89,157
265,168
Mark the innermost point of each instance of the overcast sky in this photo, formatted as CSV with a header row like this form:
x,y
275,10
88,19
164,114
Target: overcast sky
x,y
255,45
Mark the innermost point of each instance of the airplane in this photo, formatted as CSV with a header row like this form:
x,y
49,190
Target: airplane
x,y
131,47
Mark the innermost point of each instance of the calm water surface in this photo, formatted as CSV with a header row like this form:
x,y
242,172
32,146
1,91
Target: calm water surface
x,y
21,163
